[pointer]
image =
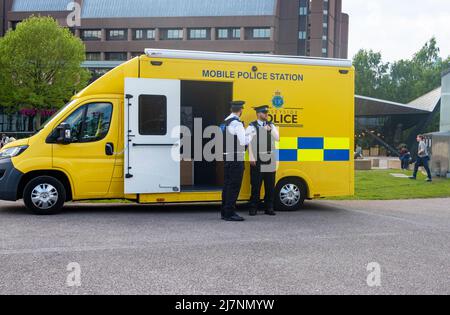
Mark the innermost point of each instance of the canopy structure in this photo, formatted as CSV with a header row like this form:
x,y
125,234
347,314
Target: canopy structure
x,y
372,107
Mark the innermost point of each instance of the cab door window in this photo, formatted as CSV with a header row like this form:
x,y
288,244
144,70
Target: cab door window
x,y
75,121
96,122
89,123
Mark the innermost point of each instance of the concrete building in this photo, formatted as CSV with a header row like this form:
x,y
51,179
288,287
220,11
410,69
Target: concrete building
x,y
440,141
445,102
117,30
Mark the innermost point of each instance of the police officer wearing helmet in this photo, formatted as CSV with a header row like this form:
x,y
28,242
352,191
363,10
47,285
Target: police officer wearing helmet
x,y
235,142
262,160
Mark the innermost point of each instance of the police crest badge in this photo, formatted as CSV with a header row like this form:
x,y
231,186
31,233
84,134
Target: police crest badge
x,y
278,100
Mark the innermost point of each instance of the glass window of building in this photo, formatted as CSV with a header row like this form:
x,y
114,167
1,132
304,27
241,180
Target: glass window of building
x,y
116,56
222,33
236,33
138,34
173,34
93,56
261,33
151,34
229,33
144,34
302,35
91,34
303,11
117,35
200,33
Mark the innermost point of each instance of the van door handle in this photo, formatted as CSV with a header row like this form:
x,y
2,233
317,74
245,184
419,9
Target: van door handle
x,y
109,148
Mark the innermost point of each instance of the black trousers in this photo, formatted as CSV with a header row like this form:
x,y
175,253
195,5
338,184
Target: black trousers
x,y
425,162
257,179
233,175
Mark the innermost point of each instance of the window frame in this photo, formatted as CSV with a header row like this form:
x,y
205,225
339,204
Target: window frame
x,y
172,31
116,38
200,32
257,32
235,30
109,53
51,139
145,32
93,53
83,127
91,38
230,33
165,112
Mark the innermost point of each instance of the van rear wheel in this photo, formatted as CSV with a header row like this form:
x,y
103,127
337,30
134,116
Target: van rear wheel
x,y
44,195
290,194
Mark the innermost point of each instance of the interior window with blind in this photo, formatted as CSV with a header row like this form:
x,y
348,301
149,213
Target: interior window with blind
x,y
152,115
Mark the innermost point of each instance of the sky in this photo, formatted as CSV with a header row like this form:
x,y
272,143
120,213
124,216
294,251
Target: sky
x,y
397,28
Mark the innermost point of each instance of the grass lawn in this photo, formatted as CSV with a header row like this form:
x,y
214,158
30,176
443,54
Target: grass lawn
x,y
380,185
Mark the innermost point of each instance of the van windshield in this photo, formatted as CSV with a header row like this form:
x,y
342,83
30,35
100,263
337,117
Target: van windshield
x,y
51,118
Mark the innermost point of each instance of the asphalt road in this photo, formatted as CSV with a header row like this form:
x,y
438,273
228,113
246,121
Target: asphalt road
x,y
324,249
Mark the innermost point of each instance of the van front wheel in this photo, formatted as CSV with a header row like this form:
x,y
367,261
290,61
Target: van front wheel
x,y
44,195
290,194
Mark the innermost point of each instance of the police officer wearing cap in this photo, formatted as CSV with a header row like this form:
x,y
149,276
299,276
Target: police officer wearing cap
x,y
235,142
264,134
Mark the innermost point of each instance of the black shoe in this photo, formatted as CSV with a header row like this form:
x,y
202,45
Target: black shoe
x,y
412,177
253,212
234,218
429,180
270,212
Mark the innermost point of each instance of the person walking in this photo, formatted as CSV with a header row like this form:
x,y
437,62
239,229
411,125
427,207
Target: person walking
x,y
235,143
423,159
262,160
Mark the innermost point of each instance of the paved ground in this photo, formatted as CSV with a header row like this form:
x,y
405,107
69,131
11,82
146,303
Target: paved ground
x,y
324,249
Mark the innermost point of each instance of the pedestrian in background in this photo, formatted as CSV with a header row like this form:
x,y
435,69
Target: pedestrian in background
x,y
405,157
423,159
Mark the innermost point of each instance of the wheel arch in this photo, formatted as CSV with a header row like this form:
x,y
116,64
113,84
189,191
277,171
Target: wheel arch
x,y
59,175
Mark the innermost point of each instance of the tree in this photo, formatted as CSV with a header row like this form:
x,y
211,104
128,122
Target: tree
x,y
41,66
371,74
403,80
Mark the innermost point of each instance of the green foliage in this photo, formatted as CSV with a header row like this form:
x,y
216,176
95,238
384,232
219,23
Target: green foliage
x,y
403,80
41,65
371,73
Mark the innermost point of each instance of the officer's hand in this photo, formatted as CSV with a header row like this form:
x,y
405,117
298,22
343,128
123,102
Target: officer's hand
x,y
268,128
253,163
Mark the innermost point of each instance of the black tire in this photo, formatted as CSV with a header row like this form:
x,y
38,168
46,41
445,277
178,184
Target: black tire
x,y
296,199
49,195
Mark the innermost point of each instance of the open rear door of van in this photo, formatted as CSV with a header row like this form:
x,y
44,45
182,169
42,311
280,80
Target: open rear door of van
x,y
152,118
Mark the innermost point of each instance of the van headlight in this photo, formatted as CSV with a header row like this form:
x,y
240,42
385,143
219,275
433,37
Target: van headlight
x,y
12,152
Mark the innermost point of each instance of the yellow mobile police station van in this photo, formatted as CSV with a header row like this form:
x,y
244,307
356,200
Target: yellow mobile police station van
x,y
114,139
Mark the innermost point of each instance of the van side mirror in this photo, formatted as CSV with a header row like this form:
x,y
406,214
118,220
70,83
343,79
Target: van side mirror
x,y
64,134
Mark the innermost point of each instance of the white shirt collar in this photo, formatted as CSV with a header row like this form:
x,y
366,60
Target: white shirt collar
x,y
233,115
260,122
